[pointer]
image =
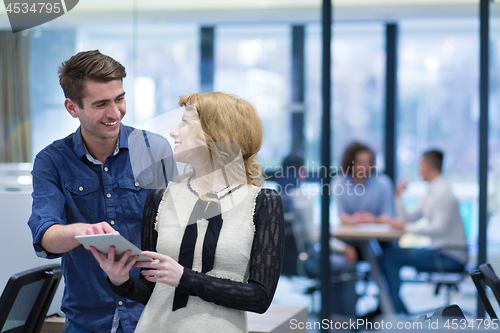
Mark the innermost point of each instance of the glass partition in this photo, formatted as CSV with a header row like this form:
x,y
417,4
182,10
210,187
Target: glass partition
x,y
493,226
253,61
438,109
358,71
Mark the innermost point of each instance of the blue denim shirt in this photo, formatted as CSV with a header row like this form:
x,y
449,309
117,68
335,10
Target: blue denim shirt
x,y
68,188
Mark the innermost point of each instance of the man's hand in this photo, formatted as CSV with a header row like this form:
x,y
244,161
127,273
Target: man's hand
x,y
397,224
97,228
60,238
393,222
400,187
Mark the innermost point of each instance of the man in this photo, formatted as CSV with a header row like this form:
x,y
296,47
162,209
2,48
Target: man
x,y
86,178
448,248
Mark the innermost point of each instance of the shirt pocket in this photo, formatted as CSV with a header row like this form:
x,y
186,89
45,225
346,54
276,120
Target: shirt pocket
x,y
82,200
153,176
132,197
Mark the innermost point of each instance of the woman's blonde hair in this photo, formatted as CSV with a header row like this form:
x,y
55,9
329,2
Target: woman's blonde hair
x,y
229,123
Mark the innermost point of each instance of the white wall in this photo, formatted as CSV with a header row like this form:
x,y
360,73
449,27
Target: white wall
x,y
16,247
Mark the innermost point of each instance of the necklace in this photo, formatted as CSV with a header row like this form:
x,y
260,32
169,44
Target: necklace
x,y
215,194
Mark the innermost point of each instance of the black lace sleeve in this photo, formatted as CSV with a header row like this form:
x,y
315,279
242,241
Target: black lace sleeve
x,y
265,264
140,289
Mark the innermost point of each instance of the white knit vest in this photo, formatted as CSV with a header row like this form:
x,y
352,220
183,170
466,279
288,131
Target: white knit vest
x,y
231,260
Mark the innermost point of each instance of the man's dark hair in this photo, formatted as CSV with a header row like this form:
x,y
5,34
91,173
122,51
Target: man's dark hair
x,y
435,158
350,154
87,65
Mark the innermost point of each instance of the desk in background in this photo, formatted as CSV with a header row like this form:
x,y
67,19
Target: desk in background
x,y
366,236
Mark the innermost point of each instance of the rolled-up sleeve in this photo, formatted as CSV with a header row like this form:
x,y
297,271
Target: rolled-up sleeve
x,y
48,201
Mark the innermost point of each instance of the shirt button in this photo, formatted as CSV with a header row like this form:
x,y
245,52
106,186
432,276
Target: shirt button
x,y
107,195
80,188
120,303
106,169
112,222
136,184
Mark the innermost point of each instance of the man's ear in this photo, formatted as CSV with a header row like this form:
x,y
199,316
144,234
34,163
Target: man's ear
x,y
71,107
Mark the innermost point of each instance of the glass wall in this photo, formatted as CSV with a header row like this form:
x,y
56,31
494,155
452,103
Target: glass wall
x,y
493,228
438,108
358,71
254,62
438,95
161,61
49,119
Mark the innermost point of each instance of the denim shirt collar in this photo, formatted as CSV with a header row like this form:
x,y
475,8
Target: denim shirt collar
x,y
79,147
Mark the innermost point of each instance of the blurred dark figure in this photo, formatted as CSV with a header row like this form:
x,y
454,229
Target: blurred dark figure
x,y
302,256
292,174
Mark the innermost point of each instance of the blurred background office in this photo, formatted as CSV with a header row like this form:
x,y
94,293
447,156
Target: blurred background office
x,y
269,53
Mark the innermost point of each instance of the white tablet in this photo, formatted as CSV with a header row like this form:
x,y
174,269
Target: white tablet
x,y
102,242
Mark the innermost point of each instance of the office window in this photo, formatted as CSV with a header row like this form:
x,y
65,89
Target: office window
x,y
166,64
49,119
161,64
253,62
493,230
358,68
438,108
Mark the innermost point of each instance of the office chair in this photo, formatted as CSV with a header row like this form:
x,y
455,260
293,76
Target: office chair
x,y
440,316
26,299
342,280
440,277
487,274
449,280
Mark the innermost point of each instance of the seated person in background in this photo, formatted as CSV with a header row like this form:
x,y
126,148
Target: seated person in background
x,y
292,174
343,259
448,248
342,255
306,235
363,194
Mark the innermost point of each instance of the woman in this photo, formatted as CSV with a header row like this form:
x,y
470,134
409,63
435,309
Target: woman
x,y
363,194
218,236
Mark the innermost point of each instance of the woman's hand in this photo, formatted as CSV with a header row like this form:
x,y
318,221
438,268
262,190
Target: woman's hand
x,y
363,217
163,269
118,271
350,254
